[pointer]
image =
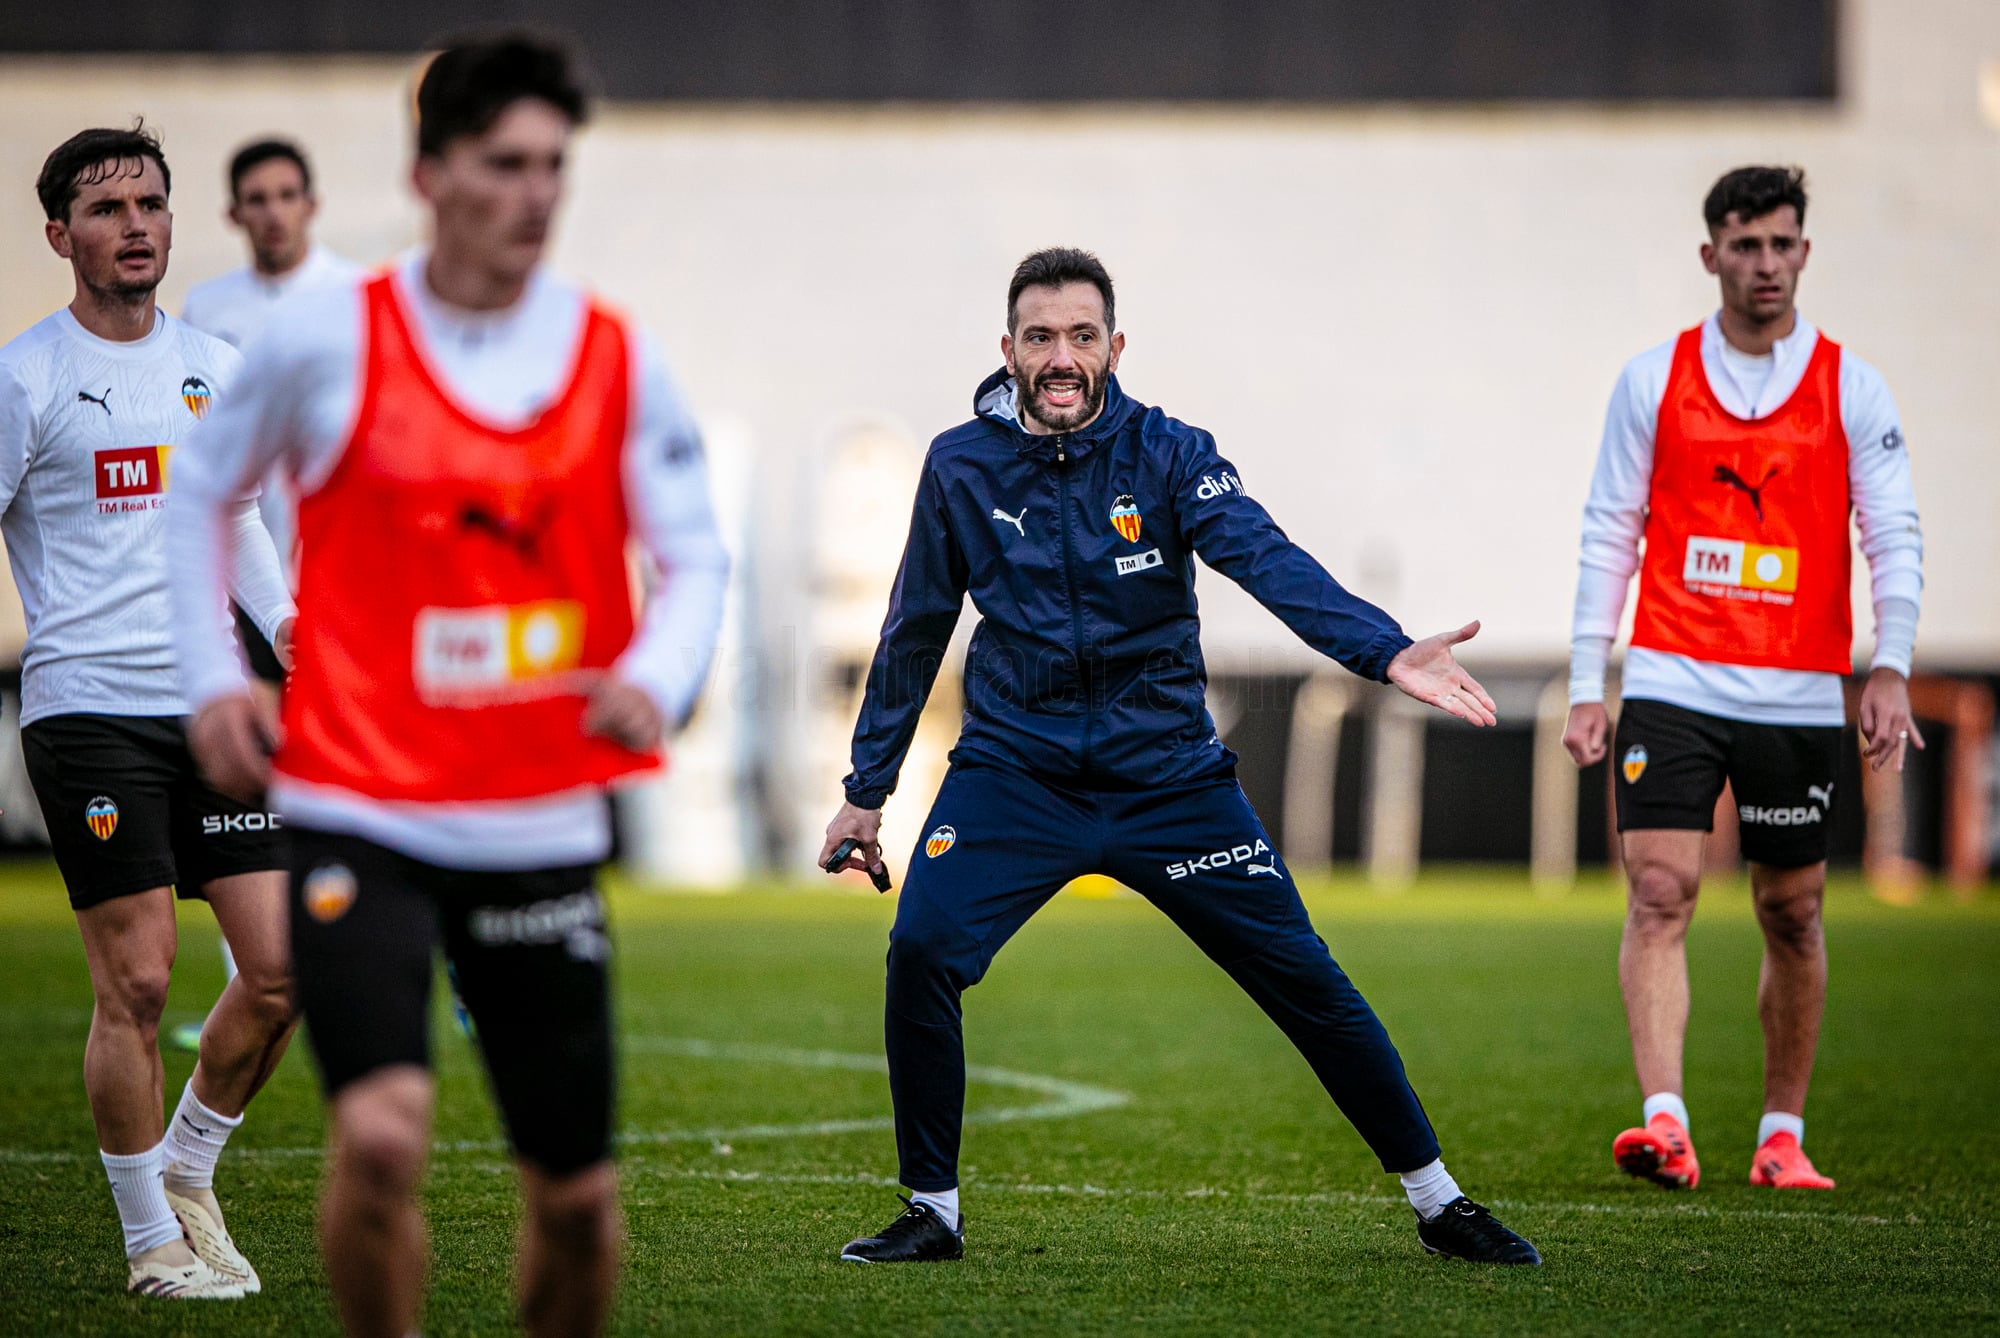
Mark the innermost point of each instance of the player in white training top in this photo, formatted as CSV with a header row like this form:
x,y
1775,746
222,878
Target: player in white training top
x,y
93,402
1737,453
271,199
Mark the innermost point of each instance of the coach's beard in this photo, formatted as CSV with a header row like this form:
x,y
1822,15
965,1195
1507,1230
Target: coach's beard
x,y
1071,417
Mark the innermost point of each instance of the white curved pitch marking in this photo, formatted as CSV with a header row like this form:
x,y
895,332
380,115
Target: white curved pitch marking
x,y
1061,1099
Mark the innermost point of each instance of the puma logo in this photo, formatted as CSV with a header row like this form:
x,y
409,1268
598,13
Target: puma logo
x,y
523,535
1015,521
1823,793
1724,474
101,401
1252,870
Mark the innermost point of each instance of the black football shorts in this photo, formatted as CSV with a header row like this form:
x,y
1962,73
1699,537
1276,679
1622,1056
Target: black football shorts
x,y
531,957
1671,764
127,810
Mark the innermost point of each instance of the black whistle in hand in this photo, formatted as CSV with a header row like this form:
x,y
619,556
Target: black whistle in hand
x,y
878,874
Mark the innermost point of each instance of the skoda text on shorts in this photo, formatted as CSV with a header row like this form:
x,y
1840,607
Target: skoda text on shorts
x,y
473,441
1733,456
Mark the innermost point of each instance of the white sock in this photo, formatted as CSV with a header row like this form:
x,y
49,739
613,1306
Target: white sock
x,y
944,1200
1777,1122
195,1137
1430,1188
228,963
140,1191
1666,1103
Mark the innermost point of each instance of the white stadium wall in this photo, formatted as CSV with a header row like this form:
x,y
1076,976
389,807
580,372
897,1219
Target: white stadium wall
x,y
1401,323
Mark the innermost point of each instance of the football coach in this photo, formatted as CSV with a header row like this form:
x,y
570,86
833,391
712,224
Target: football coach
x,y
1073,515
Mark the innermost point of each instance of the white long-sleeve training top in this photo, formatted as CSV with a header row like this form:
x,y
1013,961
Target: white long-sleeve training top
x,y
235,307
1614,519
90,437
295,407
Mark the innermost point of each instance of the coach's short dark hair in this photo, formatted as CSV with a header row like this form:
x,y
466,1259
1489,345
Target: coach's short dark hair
x,y
267,151
468,85
1752,192
1056,266
88,157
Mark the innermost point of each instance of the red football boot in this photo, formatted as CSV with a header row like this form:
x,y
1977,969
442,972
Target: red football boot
x,y
1660,1152
1782,1164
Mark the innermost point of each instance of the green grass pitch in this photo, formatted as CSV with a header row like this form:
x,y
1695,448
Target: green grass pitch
x,y
1147,1155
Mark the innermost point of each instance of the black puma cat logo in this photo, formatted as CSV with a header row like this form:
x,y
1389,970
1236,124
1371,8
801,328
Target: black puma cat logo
x,y
1724,474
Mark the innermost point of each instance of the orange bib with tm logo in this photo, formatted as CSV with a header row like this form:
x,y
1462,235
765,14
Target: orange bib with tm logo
x,y
1747,555
462,586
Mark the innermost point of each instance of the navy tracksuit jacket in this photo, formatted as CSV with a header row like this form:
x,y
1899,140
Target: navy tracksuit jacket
x,y
1086,745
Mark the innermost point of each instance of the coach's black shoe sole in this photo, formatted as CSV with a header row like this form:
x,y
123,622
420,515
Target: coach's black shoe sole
x,y
1464,1230
919,1236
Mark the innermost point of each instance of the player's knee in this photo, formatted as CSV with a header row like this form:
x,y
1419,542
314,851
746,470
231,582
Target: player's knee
x,y
136,996
267,993
381,1140
1662,898
580,1208
1790,920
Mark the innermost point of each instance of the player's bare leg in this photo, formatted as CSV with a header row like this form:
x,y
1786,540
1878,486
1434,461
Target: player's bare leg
x,y
371,1231
129,944
252,1022
1791,997
1791,986
241,1043
1663,872
1663,876
569,1250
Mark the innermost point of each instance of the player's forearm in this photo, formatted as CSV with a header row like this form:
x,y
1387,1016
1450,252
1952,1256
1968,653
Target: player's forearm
x,y
900,679
1895,635
256,576
674,646
197,540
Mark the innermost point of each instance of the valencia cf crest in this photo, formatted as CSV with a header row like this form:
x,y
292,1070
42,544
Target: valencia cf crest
x,y
102,815
195,394
1635,763
940,841
1125,518
328,891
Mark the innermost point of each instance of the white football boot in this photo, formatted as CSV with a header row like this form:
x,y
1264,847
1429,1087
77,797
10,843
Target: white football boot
x,y
211,1242
182,1282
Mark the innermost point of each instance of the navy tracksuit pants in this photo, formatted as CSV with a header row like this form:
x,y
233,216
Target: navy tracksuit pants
x,y
1006,842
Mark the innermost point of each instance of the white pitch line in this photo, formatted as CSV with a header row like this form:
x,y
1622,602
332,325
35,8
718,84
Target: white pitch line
x,y
1063,1099
1264,1196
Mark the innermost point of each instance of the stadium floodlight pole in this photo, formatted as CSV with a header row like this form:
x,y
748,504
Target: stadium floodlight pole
x,y
1072,515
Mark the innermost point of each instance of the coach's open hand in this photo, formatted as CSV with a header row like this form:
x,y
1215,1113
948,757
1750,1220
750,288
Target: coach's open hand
x,y
865,826
1887,727
624,714
1428,671
232,740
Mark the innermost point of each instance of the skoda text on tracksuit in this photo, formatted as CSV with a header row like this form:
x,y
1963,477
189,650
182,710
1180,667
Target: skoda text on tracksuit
x,y
1086,746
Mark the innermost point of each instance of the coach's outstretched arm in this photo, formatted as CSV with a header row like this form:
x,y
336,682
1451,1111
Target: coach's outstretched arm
x,y
1237,537
923,609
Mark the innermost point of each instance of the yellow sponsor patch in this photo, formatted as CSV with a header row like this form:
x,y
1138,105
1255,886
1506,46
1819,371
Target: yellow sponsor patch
x,y
501,647
1745,565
